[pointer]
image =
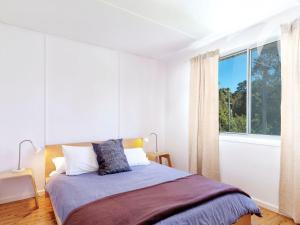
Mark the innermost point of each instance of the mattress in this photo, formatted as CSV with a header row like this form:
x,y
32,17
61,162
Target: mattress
x,y
70,192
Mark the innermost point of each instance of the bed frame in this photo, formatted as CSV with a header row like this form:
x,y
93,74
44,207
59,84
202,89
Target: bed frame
x,y
52,151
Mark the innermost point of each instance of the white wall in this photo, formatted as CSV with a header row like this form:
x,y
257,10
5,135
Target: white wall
x,y
177,109
142,83
54,90
82,96
253,164
21,104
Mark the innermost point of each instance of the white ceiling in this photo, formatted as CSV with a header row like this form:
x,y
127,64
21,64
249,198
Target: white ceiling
x,y
153,28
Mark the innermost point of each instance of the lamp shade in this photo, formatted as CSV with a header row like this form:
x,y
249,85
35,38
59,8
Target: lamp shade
x,y
36,148
146,139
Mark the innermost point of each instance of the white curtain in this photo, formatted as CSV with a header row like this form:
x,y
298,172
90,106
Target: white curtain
x,y
289,198
204,116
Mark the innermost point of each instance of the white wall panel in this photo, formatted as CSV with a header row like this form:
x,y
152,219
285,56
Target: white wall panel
x,y
21,101
177,110
253,167
142,97
82,92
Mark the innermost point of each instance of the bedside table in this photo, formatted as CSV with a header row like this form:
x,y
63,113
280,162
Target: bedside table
x,y
26,173
157,157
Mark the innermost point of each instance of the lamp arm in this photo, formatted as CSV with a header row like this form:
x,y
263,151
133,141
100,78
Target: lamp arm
x,y
20,147
156,146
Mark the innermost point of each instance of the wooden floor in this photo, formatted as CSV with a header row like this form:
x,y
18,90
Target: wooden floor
x,y
24,212
271,218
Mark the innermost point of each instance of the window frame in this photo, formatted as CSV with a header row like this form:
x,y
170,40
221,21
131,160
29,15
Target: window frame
x,y
248,50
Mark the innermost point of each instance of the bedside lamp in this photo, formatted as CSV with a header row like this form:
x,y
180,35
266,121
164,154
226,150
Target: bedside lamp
x,y
147,140
37,149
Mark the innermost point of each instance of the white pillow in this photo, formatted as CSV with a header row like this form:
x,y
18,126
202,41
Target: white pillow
x,y
79,159
136,157
53,173
60,164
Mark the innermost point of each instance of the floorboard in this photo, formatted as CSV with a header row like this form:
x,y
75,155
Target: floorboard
x,y
24,213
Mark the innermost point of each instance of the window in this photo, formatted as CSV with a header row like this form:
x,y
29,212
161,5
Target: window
x,y
232,93
250,91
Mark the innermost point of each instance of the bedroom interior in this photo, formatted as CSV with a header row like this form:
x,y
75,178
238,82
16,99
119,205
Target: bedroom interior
x,y
123,112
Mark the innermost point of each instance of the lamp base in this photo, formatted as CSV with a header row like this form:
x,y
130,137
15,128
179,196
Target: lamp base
x,y
18,170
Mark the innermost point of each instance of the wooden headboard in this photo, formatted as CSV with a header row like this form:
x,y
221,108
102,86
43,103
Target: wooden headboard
x,y
52,151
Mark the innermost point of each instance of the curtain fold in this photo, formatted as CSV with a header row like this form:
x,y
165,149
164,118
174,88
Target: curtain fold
x,y
204,116
289,196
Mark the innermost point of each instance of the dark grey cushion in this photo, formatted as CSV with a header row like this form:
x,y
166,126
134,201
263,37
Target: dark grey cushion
x,y
111,157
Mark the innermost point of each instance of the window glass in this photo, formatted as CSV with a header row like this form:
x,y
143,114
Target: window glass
x,y
265,89
232,93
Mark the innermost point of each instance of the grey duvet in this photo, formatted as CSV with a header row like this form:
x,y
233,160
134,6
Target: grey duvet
x,y
70,192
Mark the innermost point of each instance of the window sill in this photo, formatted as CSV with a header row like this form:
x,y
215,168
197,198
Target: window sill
x,y
267,140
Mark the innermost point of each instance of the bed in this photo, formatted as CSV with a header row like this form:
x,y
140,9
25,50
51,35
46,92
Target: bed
x,y
68,193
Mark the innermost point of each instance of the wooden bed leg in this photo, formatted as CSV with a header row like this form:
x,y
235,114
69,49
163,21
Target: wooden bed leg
x,y
244,220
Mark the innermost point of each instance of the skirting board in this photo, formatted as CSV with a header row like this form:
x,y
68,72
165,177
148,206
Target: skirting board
x,y
270,207
266,205
19,197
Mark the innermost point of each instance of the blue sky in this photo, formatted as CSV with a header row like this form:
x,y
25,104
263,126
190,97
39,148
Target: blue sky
x,y
232,71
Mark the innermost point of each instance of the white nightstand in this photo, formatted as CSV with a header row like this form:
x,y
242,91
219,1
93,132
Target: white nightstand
x,y
15,175
158,156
